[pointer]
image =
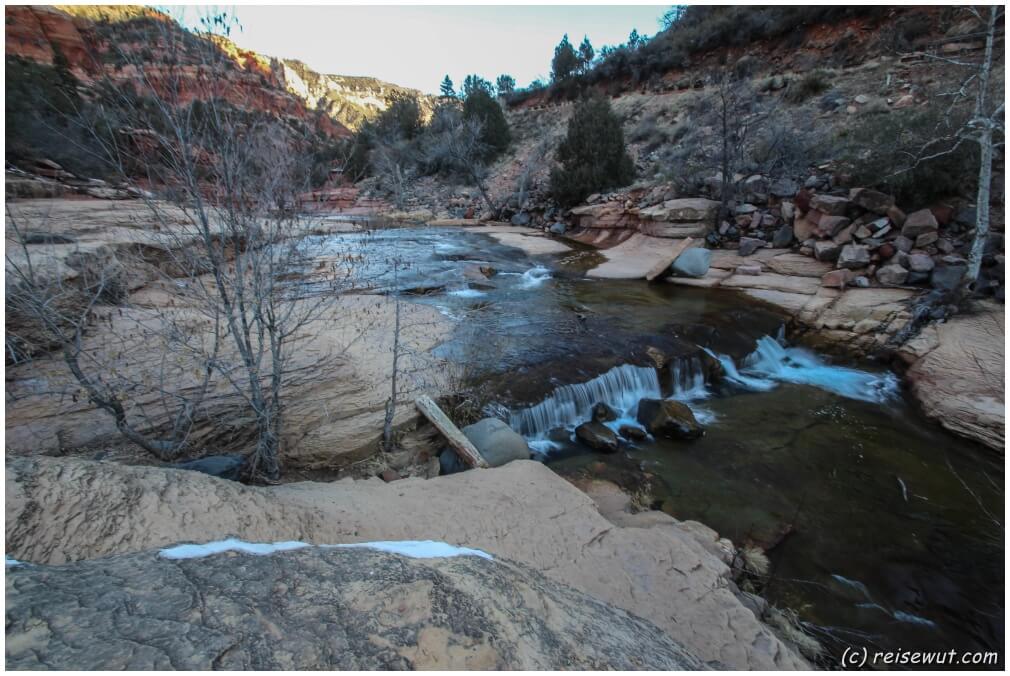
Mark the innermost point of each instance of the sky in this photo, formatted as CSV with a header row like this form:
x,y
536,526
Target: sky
x,y
416,46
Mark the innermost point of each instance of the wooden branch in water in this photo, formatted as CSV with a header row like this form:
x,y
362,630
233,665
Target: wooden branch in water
x,y
466,450
660,267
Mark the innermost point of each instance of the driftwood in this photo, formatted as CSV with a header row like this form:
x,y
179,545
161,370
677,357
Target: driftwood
x,y
667,261
466,450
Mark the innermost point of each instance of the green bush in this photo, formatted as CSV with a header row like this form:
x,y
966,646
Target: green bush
x,y
494,127
592,156
813,83
879,151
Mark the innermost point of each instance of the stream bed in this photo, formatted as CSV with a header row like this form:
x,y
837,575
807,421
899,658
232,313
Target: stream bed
x,y
882,530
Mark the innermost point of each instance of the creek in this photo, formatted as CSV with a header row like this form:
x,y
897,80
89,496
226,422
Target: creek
x,y
881,528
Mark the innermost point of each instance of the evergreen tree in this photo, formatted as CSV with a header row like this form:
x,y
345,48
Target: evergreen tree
x,y
506,84
592,156
495,133
565,61
586,54
446,90
473,83
634,39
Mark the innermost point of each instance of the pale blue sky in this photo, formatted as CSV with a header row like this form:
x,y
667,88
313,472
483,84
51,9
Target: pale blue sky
x,y
417,45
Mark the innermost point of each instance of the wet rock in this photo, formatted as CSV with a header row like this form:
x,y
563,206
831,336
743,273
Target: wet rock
x,y
871,200
668,418
854,256
830,204
317,608
892,275
633,432
222,466
748,245
694,262
598,437
497,442
783,237
603,413
919,223
827,251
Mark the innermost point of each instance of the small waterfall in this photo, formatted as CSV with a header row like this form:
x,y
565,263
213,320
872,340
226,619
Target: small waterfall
x,y
772,363
534,277
687,377
621,387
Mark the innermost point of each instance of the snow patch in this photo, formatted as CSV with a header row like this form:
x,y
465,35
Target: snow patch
x,y
415,549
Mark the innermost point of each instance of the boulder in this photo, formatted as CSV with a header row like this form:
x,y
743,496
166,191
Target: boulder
x,y
830,204
521,219
318,608
832,225
826,250
598,437
903,244
783,187
854,256
783,237
919,223
749,245
686,210
222,466
694,262
497,442
871,200
632,432
920,262
668,418
948,274
603,413
558,228
892,275
926,238
836,279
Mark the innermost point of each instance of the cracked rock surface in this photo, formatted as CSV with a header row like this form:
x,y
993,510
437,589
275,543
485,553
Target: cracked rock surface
x,y
317,608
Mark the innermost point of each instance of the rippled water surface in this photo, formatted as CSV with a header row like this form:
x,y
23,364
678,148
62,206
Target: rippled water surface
x,y
883,530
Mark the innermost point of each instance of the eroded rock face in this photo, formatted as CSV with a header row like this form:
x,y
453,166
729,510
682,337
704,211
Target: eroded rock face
x,y
318,608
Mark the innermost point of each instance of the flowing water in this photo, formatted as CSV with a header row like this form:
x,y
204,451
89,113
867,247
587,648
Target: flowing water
x,y
883,530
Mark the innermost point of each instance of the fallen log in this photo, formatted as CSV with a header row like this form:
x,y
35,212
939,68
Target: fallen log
x,y
668,260
466,450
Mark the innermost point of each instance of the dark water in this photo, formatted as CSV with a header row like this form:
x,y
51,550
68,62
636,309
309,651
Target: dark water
x,y
883,530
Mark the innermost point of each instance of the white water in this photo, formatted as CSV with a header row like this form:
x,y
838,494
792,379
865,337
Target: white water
x,y
622,387
772,363
534,277
467,293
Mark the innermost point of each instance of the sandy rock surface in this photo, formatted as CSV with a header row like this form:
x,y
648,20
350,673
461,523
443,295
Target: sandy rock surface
x,y
957,374
634,257
318,608
672,575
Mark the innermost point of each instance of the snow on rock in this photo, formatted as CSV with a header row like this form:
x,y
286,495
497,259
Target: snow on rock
x,y
415,549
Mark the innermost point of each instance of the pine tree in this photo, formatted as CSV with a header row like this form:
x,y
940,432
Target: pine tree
x,y
446,89
586,54
506,84
592,156
473,83
495,133
565,60
634,39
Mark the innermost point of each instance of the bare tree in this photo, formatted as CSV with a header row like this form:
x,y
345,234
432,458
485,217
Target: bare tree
x,y
457,144
234,176
983,126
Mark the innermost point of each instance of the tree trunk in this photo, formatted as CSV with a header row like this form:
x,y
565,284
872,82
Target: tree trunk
x,y
985,134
